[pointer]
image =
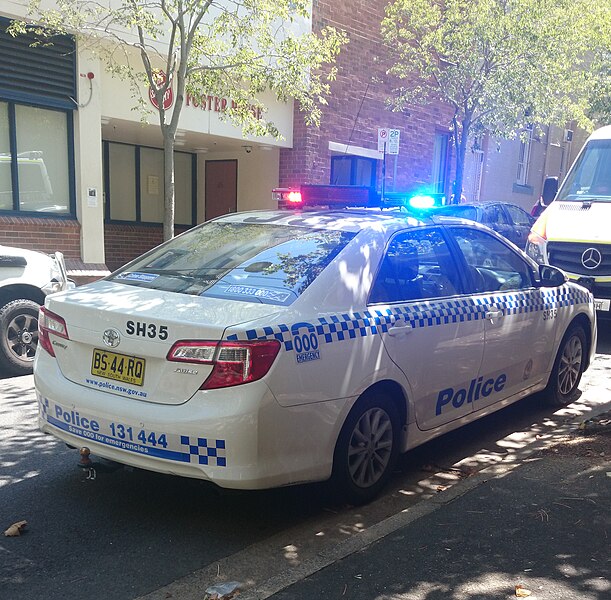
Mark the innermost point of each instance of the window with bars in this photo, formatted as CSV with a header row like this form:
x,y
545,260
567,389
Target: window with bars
x,y
524,157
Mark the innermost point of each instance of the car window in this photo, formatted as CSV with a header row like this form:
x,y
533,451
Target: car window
x,y
263,262
518,216
492,265
494,215
462,212
417,265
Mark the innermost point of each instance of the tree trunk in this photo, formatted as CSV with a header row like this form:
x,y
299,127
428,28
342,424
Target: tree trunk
x,y
169,187
461,137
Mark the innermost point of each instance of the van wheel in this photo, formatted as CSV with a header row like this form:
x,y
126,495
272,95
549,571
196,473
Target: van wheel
x,y
18,335
568,368
367,448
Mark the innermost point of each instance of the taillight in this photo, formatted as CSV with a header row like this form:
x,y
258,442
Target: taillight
x,y
49,322
234,363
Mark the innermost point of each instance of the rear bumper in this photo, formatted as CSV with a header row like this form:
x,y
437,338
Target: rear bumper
x,y
237,437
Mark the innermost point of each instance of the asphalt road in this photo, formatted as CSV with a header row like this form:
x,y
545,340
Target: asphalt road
x,y
129,533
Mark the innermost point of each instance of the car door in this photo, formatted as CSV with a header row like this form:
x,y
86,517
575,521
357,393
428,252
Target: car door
x,y
519,331
521,223
433,337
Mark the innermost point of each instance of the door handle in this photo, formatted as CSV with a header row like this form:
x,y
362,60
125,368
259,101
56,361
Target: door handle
x,y
400,329
494,314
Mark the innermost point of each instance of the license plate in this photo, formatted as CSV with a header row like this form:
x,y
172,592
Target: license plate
x,y
602,304
120,367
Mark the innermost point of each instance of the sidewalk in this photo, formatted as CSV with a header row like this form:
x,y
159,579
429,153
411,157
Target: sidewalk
x,y
541,531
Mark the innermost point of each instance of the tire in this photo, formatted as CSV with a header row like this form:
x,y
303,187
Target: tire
x,y
568,367
18,335
363,464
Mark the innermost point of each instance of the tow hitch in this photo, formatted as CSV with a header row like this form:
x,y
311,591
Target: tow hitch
x,y
93,468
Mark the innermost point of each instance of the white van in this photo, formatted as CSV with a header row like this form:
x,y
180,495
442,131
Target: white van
x,y
574,231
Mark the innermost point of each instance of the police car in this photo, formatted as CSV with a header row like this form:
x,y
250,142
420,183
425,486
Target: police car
x,y
264,349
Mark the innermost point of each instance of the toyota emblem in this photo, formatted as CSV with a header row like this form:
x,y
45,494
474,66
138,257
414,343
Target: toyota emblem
x,y
111,337
591,258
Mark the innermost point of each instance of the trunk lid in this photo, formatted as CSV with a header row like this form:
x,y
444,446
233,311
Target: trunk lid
x,y
109,322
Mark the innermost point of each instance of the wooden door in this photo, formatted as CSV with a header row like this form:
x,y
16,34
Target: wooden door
x,y
221,187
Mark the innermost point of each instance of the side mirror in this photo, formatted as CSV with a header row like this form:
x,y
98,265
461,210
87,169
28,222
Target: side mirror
x,y
551,276
550,189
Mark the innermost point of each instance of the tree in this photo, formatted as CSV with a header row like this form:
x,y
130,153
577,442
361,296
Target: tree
x,y
501,65
228,48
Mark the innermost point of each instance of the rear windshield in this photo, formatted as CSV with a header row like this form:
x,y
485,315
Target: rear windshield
x,y
461,212
590,178
271,264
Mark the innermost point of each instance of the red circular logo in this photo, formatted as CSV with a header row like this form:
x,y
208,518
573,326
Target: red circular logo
x,y
168,97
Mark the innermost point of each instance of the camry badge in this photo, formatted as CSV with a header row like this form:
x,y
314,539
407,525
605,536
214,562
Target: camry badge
x,y
111,337
591,258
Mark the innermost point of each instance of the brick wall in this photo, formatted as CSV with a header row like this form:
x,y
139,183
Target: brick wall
x,y
361,78
42,234
124,242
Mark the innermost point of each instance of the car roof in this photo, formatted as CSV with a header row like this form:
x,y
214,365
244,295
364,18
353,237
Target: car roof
x,y
349,219
477,205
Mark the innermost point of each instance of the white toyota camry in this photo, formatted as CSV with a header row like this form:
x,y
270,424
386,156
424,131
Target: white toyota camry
x,y
269,348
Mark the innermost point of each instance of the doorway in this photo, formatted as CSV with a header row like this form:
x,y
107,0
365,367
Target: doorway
x,y
221,188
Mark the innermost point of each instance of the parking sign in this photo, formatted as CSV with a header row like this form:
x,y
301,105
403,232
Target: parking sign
x,y
388,140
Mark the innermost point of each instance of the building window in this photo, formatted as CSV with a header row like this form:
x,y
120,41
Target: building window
x,y
134,184
353,170
524,157
36,174
440,162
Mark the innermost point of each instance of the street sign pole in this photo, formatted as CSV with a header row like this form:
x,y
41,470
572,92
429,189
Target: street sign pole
x,y
384,172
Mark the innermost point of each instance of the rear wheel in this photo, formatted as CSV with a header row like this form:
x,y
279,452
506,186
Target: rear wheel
x,y
568,367
367,448
18,335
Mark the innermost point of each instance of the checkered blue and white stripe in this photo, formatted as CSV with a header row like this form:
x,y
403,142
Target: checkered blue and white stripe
x,y
205,451
44,406
350,325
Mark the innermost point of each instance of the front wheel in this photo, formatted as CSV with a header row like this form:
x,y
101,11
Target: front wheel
x,y
367,448
568,367
18,335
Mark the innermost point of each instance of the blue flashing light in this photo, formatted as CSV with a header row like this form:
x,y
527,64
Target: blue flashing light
x,y
422,201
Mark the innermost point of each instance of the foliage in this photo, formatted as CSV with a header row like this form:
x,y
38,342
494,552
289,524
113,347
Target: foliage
x,y
227,48
500,64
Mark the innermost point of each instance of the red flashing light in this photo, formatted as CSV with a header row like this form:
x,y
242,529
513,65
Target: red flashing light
x,y
294,197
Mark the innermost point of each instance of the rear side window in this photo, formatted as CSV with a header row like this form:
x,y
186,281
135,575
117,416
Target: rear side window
x,y
461,212
494,215
416,266
271,264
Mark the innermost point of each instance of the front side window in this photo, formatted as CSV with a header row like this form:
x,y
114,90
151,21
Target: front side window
x,y
416,266
270,264
492,265
34,159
